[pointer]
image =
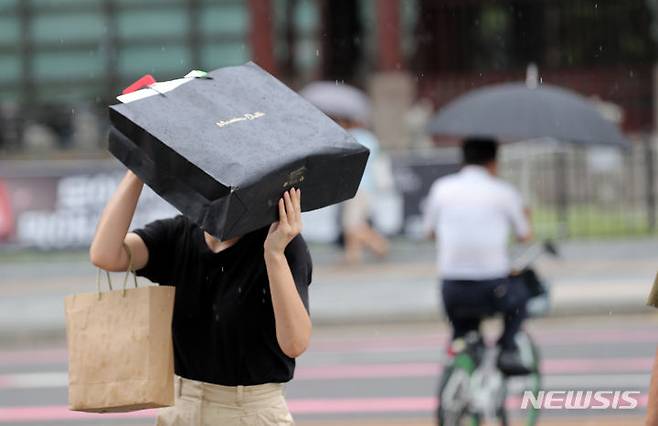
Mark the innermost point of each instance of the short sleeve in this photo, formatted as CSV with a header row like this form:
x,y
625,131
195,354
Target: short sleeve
x,y
431,212
517,215
301,266
160,239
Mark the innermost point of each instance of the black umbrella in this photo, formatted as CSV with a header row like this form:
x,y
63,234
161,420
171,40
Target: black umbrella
x,y
515,111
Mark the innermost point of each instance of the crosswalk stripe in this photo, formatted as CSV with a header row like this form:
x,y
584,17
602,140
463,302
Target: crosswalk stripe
x,y
55,379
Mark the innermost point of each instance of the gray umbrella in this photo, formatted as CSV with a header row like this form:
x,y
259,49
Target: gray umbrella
x,y
514,112
338,100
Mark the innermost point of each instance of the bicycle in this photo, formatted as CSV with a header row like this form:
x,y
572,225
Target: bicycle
x,y
472,389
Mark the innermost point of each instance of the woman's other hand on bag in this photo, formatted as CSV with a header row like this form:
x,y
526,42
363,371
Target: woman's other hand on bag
x,y
289,224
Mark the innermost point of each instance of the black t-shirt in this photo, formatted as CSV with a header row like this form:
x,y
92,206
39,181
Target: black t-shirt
x,y
223,324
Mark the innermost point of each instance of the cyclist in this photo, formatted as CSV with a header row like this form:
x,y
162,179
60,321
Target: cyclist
x,y
471,213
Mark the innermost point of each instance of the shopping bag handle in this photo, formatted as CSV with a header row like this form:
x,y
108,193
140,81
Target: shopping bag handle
x,y
98,282
130,270
125,278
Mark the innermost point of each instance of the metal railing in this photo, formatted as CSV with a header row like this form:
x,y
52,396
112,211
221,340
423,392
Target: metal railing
x,y
581,192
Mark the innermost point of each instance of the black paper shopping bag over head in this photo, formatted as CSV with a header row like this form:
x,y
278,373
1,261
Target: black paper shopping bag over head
x,y
224,148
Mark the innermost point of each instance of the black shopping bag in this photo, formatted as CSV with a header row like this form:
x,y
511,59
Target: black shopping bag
x,y
223,149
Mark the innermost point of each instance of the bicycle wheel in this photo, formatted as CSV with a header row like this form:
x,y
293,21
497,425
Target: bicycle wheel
x,y
502,409
530,351
454,393
535,381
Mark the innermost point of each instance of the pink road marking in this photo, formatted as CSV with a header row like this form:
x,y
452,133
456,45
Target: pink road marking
x,y
36,356
297,406
61,412
356,371
362,405
551,366
428,369
303,406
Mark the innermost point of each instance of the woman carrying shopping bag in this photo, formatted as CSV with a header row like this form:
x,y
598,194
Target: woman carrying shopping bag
x,y
240,311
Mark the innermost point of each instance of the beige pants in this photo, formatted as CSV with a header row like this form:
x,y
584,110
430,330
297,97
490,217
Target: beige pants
x,y
205,404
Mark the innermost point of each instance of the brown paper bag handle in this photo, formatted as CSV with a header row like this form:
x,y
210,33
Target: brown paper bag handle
x,y
125,278
130,268
98,282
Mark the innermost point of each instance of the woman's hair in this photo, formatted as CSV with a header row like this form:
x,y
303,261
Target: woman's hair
x,y
479,151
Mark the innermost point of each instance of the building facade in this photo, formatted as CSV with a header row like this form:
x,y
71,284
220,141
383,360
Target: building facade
x,y
57,56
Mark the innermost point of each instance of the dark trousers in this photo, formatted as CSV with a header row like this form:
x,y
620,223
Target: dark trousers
x,y
468,302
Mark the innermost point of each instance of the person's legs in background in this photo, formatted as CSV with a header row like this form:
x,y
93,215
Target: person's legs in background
x,y
465,304
357,231
510,298
462,326
513,322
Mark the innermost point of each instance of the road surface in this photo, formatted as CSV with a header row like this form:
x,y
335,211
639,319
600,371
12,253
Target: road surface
x,y
376,374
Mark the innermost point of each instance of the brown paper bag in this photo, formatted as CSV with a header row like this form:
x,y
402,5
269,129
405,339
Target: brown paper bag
x,y
120,349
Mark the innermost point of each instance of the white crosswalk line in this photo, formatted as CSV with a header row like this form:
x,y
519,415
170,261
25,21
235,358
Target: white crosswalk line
x,y
57,379
54,379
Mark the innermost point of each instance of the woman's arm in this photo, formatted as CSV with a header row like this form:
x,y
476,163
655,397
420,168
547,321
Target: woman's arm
x,y
106,249
293,324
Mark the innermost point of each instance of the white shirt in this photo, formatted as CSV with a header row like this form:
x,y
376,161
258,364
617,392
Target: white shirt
x,y
472,213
